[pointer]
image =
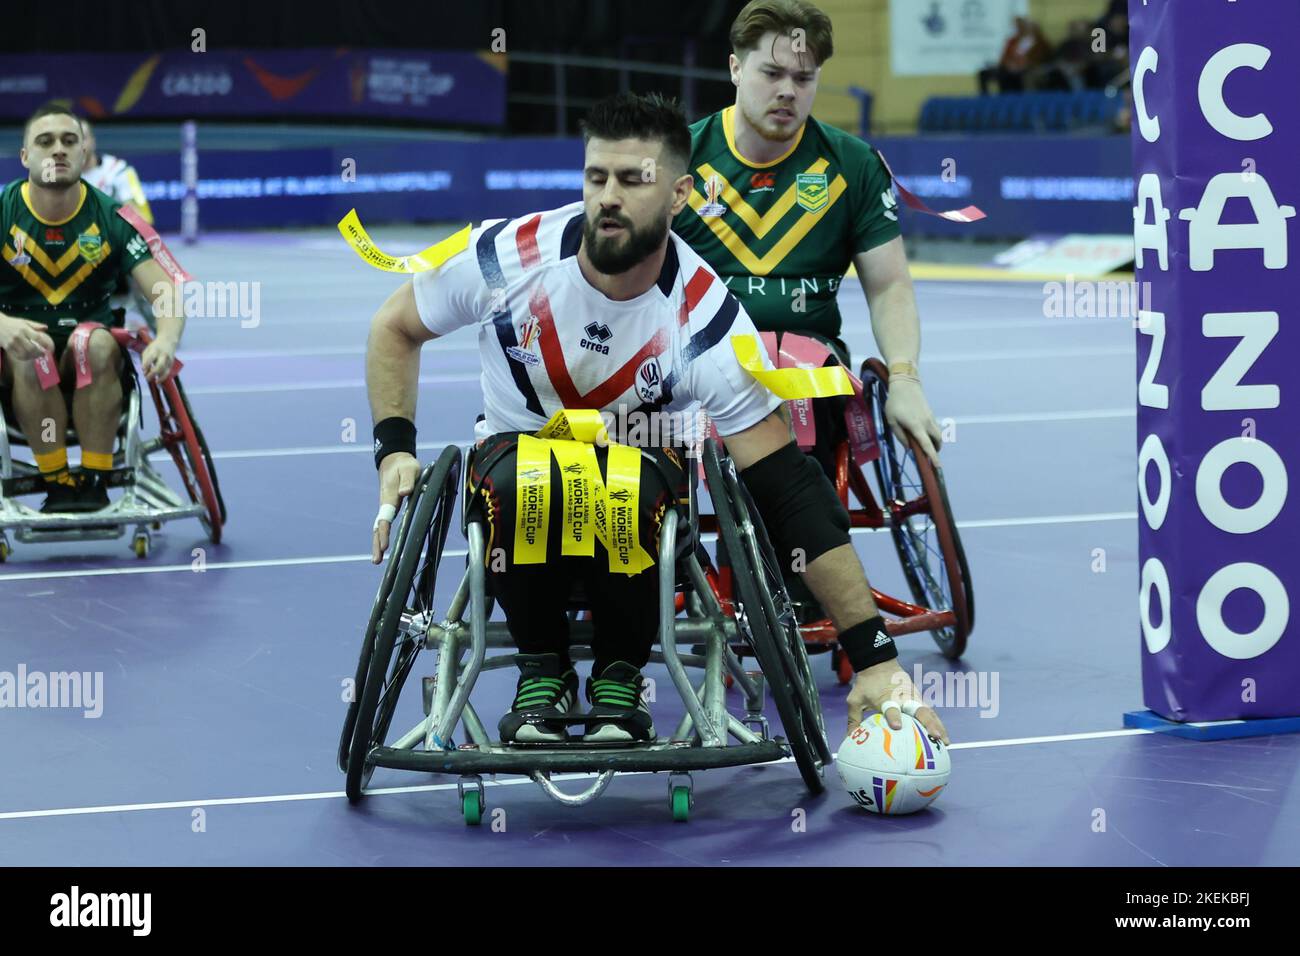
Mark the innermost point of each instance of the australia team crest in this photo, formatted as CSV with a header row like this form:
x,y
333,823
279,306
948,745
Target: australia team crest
x,y
91,248
811,191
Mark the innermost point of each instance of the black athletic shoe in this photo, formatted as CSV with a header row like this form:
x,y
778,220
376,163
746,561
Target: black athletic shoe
x,y
617,693
543,691
63,493
92,493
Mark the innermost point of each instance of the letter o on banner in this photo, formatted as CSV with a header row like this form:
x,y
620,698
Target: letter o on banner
x,y
1155,576
1153,450
1209,610
1209,491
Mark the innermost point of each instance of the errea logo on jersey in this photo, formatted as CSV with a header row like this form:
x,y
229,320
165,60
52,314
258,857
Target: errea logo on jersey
x,y
597,335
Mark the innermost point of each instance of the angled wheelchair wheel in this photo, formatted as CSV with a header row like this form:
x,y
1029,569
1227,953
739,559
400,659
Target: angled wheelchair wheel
x,y
913,494
393,639
189,451
767,620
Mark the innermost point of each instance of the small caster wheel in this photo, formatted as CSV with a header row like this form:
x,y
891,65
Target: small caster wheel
x,y
157,526
843,668
681,804
471,804
140,544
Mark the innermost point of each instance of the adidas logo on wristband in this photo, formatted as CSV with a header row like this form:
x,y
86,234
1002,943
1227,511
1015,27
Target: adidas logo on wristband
x,y
881,639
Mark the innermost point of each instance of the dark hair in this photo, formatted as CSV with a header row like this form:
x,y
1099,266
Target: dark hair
x,y
632,116
783,17
51,109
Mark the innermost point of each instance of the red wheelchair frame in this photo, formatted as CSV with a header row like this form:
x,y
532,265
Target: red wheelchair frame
x,y
915,505
177,434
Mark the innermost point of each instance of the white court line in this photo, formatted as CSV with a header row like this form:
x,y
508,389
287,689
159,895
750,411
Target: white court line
x,y
514,781
226,355
341,449
460,552
1000,355
1083,415
327,385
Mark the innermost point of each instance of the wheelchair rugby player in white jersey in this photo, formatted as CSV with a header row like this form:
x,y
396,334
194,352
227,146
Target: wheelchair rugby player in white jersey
x,y
598,306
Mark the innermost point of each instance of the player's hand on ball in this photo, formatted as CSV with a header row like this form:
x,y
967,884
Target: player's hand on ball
x,y
908,413
397,474
24,339
887,688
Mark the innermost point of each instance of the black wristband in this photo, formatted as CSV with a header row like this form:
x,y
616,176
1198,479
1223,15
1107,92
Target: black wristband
x,y
392,435
867,644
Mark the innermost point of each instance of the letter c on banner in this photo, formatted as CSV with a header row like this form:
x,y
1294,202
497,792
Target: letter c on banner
x,y
1148,125
1210,92
1155,575
1209,610
1153,450
1209,491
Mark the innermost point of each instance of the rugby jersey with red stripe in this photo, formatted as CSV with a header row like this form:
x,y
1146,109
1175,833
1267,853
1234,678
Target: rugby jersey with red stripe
x,y
549,340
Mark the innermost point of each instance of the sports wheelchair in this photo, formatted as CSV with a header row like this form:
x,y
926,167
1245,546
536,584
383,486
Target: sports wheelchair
x,y
913,505
748,610
146,501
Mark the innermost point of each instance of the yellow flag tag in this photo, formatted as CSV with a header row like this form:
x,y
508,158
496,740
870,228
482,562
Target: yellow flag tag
x,y
577,461
356,236
532,499
790,383
593,509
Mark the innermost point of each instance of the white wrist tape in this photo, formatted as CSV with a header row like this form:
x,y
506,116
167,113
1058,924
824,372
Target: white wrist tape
x,y
386,513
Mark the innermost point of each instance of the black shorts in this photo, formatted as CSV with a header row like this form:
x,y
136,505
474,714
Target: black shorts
x,y
490,483
536,597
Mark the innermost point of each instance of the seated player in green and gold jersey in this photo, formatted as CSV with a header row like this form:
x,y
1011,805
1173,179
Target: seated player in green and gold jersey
x,y
64,248
783,204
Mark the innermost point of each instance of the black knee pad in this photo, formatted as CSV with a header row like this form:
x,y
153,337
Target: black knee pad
x,y
798,504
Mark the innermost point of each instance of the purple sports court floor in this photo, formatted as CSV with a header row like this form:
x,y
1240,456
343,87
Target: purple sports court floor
x,y
223,690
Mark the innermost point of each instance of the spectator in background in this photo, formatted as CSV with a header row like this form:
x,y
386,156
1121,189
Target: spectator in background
x,y
1109,67
1024,50
114,176
1116,8
1067,70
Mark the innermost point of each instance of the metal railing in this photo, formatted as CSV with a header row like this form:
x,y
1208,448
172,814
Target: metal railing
x,y
687,72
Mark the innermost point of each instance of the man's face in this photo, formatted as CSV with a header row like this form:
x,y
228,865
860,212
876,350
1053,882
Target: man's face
x,y
630,198
776,86
54,152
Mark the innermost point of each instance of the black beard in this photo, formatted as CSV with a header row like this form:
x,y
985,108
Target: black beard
x,y
641,243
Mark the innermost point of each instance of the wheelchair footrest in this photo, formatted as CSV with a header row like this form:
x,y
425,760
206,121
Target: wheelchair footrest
x,y
566,759
35,484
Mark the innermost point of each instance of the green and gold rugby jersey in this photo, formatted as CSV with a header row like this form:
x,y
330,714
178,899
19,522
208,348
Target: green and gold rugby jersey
x,y
790,226
63,273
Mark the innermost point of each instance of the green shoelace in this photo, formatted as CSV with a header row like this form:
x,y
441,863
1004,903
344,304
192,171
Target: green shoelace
x,y
538,690
614,693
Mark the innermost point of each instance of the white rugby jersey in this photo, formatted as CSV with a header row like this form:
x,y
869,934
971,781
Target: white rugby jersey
x,y
116,177
549,340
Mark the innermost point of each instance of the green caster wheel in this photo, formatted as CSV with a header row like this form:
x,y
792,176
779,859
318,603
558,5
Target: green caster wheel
x,y
471,805
681,804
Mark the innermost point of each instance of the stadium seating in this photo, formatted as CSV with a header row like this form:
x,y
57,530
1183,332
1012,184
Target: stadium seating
x,y
1090,110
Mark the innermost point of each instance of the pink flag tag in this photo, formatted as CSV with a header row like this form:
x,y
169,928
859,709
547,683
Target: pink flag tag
x,y
161,254
967,214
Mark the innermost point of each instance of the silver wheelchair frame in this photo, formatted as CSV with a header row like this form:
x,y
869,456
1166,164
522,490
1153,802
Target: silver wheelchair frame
x,y
701,740
147,501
